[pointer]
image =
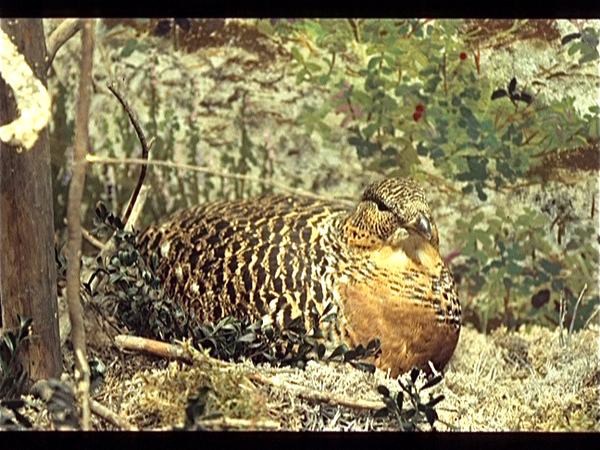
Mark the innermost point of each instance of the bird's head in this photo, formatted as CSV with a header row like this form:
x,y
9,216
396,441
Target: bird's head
x,y
393,210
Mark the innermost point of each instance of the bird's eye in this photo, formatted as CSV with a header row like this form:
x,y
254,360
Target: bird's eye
x,y
381,206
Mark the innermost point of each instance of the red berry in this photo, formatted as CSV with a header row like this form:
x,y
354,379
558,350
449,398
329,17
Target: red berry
x,y
420,108
463,56
417,116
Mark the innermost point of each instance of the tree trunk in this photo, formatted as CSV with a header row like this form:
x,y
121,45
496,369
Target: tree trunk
x,y
27,261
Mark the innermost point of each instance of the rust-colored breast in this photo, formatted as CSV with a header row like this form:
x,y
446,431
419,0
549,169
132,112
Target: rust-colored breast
x,y
412,307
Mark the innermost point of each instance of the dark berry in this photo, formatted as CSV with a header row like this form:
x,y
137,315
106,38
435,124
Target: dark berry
x,y
417,116
463,56
420,108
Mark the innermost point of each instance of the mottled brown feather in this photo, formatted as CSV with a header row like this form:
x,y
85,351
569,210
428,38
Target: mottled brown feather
x,y
273,257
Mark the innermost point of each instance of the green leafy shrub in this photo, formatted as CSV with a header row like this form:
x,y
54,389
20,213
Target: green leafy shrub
x,y
409,89
418,412
411,97
13,376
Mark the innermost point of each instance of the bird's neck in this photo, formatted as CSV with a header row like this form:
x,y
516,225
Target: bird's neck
x,y
413,249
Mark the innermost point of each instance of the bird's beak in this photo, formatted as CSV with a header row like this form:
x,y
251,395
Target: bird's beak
x,y
422,225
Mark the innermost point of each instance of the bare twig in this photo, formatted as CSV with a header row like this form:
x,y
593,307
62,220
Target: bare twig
x,y
88,237
65,31
142,138
227,423
445,78
166,350
177,350
575,314
280,186
137,208
315,395
82,370
591,317
91,239
138,193
153,347
561,317
108,415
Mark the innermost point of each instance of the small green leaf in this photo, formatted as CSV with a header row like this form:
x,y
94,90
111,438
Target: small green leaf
x,y
579,45
323,79
9,343
128,48
313,67
301,76
381,413
431,415
399,400
383,390
297,55
514,269
434,401
373,344
366,367
340,350
249,337
551,267
321,351
369,130
589,56
432,382
389,60
414,374
374,61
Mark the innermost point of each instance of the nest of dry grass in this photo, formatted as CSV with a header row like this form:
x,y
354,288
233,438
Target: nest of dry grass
x,y
523,380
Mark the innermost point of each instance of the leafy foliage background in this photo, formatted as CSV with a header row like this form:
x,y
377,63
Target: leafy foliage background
x,y
330,105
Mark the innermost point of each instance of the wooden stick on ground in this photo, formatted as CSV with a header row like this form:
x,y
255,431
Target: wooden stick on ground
x,y
102,411
227,423
166,350
315,395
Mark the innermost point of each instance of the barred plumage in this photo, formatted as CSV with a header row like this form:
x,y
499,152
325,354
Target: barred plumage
x,y
274,256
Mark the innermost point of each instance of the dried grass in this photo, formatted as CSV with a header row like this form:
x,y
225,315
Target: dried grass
x,y
504,381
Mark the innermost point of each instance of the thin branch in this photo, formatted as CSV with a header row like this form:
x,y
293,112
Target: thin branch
x,y
154,162
561,317
315,395
111,417
136,212
142,138
226,423
445,78
82,370
575,314
91,239
65,31
354,27
176,351
153,347
88,237
591,317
